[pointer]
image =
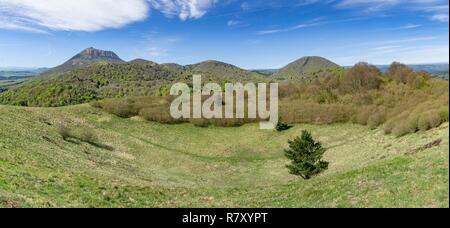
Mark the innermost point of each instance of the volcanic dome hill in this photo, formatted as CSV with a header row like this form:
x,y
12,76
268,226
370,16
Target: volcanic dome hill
x,y
307,67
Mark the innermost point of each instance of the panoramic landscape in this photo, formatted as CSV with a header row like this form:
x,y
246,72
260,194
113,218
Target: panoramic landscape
x,y
86,104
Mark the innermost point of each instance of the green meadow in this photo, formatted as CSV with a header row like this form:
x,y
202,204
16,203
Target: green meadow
x,y
136,163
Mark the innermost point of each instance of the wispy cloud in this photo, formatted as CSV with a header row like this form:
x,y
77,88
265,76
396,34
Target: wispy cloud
x,y
410,55
440,17
237,23
184,9
384,48
410,26
233,23
439,9
311,23
439,12
156,52
390,43
17,24
372,3
155,46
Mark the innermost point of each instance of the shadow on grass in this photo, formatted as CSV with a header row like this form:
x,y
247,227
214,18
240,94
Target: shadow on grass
x,y
78,141
101,146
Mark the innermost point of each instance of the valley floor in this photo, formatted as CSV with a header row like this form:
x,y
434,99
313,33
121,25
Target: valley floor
x,y
143,164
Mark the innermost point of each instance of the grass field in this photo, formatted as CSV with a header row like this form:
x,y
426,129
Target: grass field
x,y
143,164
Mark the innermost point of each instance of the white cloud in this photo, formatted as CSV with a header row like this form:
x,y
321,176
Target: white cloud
x,y
69,15
184,9
156,52
440,17
233,23
11,24
91,15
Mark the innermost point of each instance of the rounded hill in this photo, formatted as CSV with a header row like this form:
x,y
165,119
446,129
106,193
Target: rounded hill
x,y
307,67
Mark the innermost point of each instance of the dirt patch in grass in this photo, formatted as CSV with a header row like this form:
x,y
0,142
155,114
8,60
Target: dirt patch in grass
x,y
425,147
9,204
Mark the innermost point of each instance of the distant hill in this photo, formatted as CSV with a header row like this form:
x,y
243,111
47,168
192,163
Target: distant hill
x,y
215,70
16,74
142,62
174,67
31,69
86,58
431,68
307,67
437,69
266,72
13,77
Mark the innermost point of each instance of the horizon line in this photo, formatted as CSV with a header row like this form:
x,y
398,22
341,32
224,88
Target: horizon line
x,y
24,68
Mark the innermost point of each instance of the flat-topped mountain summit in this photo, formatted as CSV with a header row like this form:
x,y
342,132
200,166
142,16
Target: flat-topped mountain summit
x,y
96,55
86,58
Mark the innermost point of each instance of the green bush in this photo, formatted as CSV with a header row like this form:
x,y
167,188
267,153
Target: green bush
x,y
443,114
376,119
96,104
86,135
65,132
82,134
363,115
362,76
407,126
282,126
431,119
157,114
120,107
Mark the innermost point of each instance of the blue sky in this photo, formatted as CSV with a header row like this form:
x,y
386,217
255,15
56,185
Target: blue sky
x,y
250,33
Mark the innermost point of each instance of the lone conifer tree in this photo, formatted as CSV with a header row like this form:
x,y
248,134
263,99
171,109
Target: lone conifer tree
x,y
306,155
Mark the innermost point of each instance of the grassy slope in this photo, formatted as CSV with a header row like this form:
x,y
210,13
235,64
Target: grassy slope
x,y
154,165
